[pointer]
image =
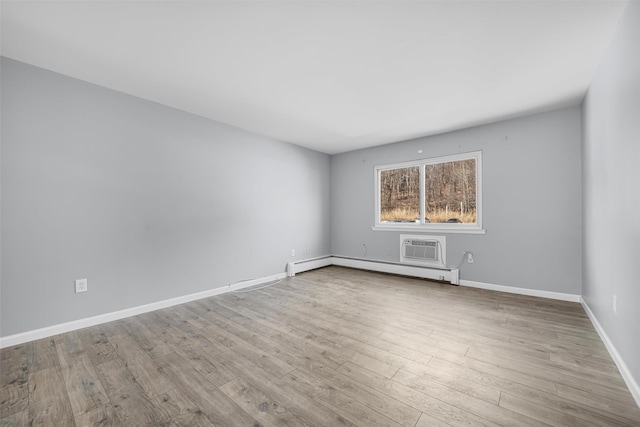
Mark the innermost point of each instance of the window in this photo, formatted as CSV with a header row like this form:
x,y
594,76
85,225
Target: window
x,y
442,193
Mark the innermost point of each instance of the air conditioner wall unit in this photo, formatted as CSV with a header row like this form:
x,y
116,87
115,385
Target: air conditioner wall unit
x,y
427,251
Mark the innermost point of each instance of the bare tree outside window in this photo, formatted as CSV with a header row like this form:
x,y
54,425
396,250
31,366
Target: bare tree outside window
x,y
450,191
400,194
450,186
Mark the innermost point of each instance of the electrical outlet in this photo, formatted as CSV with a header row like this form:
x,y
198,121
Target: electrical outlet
x,y
81,285
469,258
293,252
615,304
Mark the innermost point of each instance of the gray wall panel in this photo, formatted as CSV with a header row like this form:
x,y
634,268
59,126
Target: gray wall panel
x,y
531,197
145,201
611,191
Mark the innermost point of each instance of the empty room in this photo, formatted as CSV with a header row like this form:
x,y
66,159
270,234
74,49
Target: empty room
x,y
320,213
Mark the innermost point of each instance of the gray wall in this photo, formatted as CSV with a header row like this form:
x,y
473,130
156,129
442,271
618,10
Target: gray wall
x,y
611,191
145,201
531,199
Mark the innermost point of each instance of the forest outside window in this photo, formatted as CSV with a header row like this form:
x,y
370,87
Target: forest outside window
x,y
442,193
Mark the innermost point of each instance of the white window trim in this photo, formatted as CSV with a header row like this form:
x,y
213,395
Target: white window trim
x,y
432,227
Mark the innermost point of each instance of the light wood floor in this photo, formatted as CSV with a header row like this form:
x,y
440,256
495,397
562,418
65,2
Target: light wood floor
x,y
331,347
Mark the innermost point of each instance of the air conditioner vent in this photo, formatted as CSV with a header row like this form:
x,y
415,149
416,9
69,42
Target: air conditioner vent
x,y
423,250
424,243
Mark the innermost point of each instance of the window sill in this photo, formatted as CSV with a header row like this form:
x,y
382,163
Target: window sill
x,y
429,228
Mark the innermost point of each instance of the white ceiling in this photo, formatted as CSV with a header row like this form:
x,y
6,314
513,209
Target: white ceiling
x,y
333,76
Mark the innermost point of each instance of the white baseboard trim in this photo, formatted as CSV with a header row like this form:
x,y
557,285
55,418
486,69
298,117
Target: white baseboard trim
x,y
521,291
634,388
74,325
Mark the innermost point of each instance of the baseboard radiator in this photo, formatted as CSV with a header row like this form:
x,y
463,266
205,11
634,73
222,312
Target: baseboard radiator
x,y
308,264
447,275
420,256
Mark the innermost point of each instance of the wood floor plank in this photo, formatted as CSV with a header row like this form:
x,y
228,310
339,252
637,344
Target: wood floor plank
x,y
499,346
361,317
184,314
426,403
428,341
392,408
263,407
556,404
284,395
593,341
542,413
452,381
144,337
280,319
48,400
83,387
179,335
181,409
562,347
42,354
361,352
287,336
339,347
142,366
319,315
550,371
259,357
205,364
14,390
14,398
325,324
97,345
427,420
267,404
113,329
592,364
17,419
215,405
465,401
610,401
490,376
333,346
102,416
278,345
337,401
131,405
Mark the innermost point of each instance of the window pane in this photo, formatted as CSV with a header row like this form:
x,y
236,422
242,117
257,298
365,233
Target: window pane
x,y
450,192
400,195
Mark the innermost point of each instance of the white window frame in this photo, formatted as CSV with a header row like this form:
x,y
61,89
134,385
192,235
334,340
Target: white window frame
x,y
432,227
